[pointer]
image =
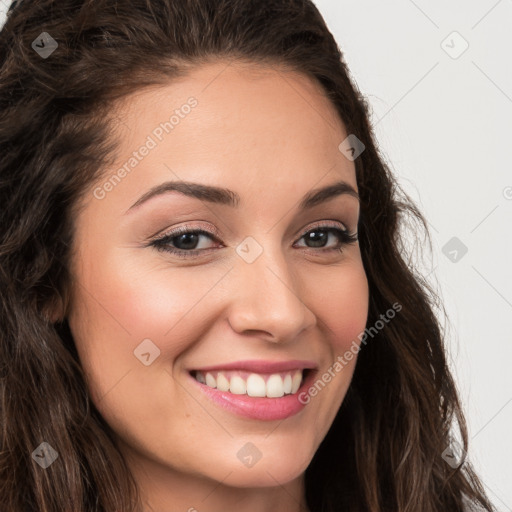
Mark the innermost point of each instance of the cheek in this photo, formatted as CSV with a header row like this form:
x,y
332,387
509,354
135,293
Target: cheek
x,y
341,305
120,304
142,300
340,299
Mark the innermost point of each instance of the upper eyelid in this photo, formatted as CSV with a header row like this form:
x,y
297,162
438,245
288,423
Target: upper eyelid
x,y
328,223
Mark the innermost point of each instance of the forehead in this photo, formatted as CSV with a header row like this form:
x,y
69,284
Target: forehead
x,y
236,103
250,126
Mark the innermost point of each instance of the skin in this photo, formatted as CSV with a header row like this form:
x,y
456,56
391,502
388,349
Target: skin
x,y
271,136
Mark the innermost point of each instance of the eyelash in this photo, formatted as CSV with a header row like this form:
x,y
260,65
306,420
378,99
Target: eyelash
x,y
162,243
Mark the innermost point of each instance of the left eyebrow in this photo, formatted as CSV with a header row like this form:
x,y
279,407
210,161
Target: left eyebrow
x,y
321,195
230,198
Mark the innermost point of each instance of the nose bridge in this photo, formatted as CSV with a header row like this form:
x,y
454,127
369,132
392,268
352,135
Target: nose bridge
x,y
267,297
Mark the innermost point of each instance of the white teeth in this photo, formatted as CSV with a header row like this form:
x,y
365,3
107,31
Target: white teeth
x,y
275,387
256,385
287,384
210,380
222,382
253,384
237,385
296,381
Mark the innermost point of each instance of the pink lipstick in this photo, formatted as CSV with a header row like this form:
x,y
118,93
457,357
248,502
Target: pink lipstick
x,y
262,390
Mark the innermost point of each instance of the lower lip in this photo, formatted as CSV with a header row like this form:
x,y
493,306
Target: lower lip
x,y
258,408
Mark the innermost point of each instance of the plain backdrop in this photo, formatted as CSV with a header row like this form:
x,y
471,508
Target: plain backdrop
x,y
438,76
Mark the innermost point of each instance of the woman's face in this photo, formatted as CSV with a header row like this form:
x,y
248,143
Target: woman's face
x,y
262,285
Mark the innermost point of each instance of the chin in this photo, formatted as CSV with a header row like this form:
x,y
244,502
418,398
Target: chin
x,y
277,469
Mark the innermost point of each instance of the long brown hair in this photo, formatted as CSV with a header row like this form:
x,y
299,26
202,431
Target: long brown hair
x,y
384,451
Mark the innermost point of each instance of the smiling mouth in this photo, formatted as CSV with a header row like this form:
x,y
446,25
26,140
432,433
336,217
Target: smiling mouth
x,y
238,382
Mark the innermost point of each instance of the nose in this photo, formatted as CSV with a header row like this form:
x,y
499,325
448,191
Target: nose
x,y
268,300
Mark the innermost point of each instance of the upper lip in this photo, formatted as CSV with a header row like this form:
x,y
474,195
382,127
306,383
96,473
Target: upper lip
x,y
260,366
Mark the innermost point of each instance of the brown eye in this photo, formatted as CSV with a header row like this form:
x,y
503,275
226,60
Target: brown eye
x,y
318,237
182,242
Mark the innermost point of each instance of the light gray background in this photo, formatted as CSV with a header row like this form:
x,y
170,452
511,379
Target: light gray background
x,y
444,124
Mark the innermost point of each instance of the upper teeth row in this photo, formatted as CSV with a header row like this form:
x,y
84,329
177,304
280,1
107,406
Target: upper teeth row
x,y
253,384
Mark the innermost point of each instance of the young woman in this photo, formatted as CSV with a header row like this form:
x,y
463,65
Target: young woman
x,y
206,304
